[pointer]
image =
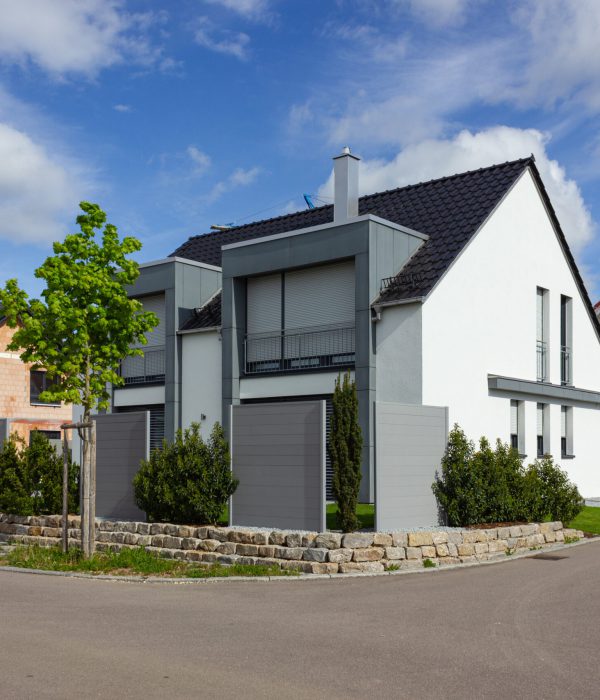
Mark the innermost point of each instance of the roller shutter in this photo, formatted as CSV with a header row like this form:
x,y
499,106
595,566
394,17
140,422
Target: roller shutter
x,y
514,417
563,421
540,419
264,304
156,304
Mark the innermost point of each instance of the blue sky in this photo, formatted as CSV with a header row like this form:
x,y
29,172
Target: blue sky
x,y
178,115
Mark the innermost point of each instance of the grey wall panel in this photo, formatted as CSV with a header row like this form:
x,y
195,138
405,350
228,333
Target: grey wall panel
x,y
278,454
122,442
410,443
4,429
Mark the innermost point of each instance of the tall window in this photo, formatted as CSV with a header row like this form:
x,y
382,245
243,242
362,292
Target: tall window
x,y
542,430
39,382
566,333
517,420
566,431
542,334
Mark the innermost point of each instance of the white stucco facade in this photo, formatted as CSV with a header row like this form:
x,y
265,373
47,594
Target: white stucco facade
x,y
480,319
201,380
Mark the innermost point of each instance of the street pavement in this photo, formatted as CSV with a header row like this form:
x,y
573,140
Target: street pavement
x,y
528,628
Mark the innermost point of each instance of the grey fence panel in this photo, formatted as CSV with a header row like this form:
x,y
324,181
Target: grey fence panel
x,y
4,429
122,442
410,442
278,454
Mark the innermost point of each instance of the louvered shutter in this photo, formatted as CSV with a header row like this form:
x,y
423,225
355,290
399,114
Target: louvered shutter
x,y
563,421
263,309
540,419
156,304
514,418
540,314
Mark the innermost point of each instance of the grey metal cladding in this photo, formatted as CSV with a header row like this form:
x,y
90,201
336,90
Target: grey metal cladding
x,y
543,391
410,443
122,442
4,429
278,454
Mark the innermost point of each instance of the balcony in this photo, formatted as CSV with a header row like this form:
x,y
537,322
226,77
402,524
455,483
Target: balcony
x,y
565,365
542,361
148,368
300,350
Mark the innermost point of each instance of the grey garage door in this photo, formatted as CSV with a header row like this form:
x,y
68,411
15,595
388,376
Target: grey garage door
x,y
122,442
409,444
278,455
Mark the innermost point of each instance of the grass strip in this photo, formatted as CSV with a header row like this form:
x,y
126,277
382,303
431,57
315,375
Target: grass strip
x,y
129,561
588,520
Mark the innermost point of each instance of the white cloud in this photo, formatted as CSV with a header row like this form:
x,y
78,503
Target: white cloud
x,y
200,160
122,108
251,9
238,178
438,13
221,40
434,158
74,36
38,191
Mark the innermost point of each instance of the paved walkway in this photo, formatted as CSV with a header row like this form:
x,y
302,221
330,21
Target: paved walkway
x,y
524,629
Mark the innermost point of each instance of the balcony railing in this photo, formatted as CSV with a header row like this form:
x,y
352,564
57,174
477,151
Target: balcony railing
x,y
300,350
542,361
565,365
148,368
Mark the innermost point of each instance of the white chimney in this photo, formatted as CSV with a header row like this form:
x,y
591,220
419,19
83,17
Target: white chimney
x,y
345,182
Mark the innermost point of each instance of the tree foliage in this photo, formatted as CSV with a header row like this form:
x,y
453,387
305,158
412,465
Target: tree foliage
x,y
84,324
188,480
488,485
345,451
31,477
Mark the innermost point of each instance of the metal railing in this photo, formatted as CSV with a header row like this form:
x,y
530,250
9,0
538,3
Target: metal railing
x,y
148,368
300,349
542,361
565,365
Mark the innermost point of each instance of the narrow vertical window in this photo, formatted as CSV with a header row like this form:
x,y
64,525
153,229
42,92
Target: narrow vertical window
x,y
542,334
566,332
566,431
541,425
514,425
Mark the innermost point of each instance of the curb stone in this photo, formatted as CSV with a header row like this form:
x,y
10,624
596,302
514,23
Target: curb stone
x,y
287,579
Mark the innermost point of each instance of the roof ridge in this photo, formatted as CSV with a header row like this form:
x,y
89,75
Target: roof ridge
x,y
371,195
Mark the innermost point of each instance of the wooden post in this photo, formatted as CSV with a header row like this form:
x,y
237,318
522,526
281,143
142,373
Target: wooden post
x,y
65,503
92,503
85,494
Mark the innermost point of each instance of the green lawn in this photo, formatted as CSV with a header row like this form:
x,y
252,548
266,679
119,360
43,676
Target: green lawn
x,y
364,511
136,561
588,520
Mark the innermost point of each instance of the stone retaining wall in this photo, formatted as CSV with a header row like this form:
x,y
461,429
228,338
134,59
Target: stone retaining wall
x,y
308,552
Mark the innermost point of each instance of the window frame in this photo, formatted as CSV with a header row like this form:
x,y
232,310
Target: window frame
x,y
34,399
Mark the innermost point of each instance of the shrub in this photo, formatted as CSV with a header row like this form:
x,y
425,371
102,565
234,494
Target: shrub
x,y
345,451
188,480
487,486
31,477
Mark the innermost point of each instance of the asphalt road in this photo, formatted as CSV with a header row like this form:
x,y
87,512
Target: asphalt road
x,y
522,629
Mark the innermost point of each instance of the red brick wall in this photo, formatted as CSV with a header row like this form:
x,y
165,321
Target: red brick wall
x,y
14,395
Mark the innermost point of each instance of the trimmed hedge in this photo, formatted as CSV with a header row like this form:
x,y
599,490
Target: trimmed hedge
x,y
188,480
488,485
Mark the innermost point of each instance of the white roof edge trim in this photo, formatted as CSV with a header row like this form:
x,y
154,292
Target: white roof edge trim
x,y
208,329
397,302
322,227
184,261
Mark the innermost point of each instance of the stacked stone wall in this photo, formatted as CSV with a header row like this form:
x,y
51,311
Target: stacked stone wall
x,y
308,552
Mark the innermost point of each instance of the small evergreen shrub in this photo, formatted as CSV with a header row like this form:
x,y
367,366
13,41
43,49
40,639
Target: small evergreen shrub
x,y
492,485
188,480
31,477
345,451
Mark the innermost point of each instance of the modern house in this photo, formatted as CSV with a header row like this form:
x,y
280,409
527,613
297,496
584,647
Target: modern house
x,y
459,292
22,411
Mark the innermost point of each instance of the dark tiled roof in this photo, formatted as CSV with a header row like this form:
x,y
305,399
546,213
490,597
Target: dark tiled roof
x,y
449,210
208,316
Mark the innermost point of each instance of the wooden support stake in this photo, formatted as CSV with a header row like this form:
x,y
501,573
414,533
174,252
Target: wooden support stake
x,y
65,503
92,503
85,494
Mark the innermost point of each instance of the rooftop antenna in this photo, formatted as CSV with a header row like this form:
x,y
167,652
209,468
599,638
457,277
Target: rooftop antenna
x,y
308,199
221,227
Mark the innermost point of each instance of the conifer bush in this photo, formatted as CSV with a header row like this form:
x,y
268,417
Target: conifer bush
x,y
488,485
345,451
188,480
31,477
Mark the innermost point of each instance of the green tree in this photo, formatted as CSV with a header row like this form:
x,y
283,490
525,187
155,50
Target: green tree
x,y
188,480
84,324
345,451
